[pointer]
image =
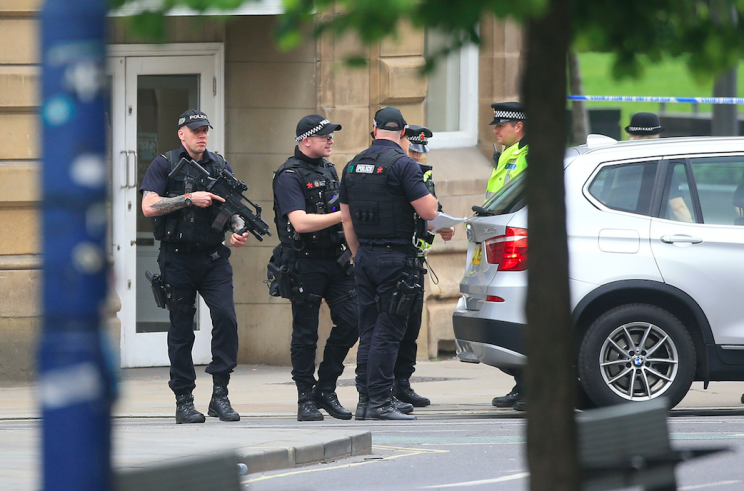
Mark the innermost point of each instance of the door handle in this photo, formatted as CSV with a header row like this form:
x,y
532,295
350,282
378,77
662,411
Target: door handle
x,y
680,239
125,181
133,172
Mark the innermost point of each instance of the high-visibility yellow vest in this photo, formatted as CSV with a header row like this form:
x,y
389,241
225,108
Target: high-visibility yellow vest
x,y
512,162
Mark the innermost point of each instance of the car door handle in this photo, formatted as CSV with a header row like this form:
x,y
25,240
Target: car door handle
x,y
680,239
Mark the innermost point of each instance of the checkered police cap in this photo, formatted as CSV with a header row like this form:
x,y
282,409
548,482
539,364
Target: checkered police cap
x,y
314,125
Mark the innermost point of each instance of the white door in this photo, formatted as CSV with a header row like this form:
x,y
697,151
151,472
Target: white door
x,y
148,95
703,257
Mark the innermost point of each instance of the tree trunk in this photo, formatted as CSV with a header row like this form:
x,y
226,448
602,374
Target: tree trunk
x,y
578,108
551,379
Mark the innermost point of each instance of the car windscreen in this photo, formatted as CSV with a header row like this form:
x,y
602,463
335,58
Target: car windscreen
x,y
509,198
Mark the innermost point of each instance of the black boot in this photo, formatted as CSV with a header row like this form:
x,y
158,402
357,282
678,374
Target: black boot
x,y
220,405
405,393
508,400
306,408
401,406
383,408
185,410
361,411
328,400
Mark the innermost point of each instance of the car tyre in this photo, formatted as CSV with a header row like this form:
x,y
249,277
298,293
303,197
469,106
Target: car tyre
x,y
636,352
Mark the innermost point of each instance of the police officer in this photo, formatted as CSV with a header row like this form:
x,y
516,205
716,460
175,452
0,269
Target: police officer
x,y
381,190
415,144
508,121
194,259
644,126
313,252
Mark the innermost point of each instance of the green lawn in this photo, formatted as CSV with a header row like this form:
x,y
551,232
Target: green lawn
x,y
669,78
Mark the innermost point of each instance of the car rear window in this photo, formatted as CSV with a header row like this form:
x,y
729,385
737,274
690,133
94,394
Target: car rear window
x,y
510,198
625,187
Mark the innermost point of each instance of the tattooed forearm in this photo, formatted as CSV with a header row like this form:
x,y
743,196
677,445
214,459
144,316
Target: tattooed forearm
x,y
164,206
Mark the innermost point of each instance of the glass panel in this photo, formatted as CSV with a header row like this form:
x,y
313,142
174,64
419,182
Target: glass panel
x,y
160,100
509,198
443,93
677,202
625,187
720,186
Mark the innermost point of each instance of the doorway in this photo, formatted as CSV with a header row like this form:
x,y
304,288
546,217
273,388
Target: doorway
x,y
151,86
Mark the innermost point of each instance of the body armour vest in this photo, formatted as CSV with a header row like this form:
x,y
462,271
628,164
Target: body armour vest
x,y
191,225
320,188
377,211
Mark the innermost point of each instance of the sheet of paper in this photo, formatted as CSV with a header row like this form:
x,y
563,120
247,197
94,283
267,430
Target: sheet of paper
x,y
444,220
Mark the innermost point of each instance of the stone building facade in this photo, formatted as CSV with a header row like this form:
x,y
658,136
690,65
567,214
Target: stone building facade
x,y
257,95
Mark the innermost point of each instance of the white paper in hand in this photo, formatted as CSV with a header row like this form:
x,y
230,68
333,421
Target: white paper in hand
x,y
444,220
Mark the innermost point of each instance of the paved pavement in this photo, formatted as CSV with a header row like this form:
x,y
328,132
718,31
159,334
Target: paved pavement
x,y
145,434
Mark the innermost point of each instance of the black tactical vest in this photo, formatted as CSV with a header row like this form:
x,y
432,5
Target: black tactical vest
x,y
320,187
377,211
191,225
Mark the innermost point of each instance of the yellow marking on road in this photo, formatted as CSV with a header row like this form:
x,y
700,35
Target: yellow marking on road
x,y
410,452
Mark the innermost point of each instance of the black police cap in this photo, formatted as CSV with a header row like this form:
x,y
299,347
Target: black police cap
x,y
644,124
390,119
314,125
193,118
507,111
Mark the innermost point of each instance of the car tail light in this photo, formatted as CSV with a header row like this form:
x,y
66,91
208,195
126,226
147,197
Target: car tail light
x,y
493,298
508,251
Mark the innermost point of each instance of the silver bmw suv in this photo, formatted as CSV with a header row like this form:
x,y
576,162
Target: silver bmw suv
x,y
656,250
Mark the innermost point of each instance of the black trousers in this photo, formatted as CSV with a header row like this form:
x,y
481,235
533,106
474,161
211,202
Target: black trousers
x,y
380,333
406,362
323,278
209,273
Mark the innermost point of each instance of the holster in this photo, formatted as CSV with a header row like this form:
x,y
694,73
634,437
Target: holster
x,y
161,290
406,298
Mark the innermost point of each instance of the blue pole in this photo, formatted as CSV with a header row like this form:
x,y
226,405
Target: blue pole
x,y
76,381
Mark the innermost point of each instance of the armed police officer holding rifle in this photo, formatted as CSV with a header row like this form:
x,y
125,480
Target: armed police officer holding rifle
x,y
313,263
381,190
193,258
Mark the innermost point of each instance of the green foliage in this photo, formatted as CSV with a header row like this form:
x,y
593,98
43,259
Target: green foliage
x,y
149,25
705,32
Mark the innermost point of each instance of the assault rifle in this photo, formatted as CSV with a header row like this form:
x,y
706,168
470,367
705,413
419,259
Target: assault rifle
x,y
228,187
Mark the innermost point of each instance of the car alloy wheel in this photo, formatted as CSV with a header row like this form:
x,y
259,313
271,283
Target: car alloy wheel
x,y
638,361
636,352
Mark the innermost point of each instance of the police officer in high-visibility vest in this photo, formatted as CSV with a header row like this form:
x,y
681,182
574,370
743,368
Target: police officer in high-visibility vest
x,y
381,191
415,143
314,256
508,121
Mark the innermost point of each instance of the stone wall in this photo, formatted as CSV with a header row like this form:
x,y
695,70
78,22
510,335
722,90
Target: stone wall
x,y
19,196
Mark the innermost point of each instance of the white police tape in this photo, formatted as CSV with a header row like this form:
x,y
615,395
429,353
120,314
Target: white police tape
x,y
685,100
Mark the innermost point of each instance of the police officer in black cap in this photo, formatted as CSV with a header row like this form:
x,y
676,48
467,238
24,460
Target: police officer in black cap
x,y
644,126
194,259
315,258
381,190
415,144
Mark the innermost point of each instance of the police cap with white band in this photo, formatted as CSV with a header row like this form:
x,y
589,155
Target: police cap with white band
x,y
507,111
194,119
644,124
315,125
419,138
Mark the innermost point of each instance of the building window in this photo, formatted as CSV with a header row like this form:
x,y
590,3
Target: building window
x,y
452,95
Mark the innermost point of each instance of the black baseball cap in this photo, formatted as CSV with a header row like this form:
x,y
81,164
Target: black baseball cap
x,y
390,119
315,125
507,111
193,119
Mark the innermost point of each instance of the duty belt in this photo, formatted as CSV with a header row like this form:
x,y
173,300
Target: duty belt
x,y
406,249
176,247
320,252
